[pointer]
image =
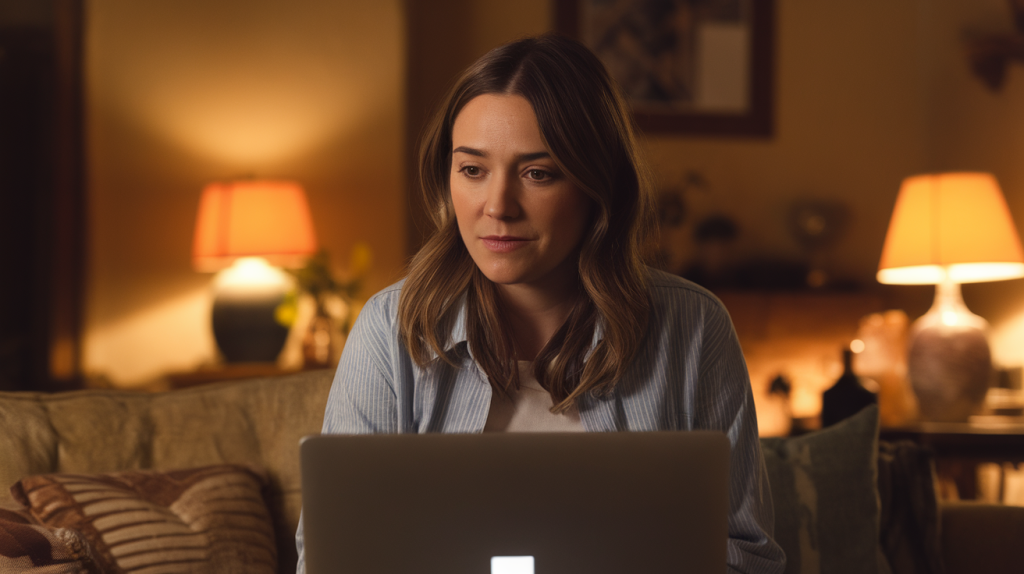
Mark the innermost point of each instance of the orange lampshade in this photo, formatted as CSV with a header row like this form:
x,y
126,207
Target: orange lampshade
x,y
254,218
950,225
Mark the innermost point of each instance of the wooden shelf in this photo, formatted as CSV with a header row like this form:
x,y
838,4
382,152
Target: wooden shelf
x,y
226,372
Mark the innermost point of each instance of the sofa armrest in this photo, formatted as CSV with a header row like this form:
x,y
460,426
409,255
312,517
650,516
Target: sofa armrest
x,y
978,537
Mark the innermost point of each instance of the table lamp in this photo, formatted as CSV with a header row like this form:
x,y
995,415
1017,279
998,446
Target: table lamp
x,y
246,230
948,229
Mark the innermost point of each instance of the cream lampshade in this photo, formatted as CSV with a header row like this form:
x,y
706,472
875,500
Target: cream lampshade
x,y
948,229
246,230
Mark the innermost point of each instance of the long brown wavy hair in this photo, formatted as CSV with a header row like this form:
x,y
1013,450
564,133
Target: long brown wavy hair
x,y
591,137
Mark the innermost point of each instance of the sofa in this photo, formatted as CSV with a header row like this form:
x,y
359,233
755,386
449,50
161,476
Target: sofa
x,y
207,479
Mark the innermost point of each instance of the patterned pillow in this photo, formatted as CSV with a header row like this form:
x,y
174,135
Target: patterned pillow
x,y
210,519
28,548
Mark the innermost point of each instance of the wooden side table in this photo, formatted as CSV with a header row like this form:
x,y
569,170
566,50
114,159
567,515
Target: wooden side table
x,y
960,447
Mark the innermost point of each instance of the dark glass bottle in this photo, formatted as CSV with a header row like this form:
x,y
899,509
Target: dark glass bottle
x,y
847,397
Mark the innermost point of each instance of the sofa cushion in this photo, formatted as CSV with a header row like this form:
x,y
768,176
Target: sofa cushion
x,y
980,537
257,422
210,519
825,497
28,548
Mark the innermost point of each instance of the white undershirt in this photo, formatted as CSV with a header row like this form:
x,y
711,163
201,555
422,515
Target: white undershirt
x,y
530,409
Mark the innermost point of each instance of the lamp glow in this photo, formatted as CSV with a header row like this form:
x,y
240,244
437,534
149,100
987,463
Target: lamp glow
x,y
948,229
512,565
951,226
254,218
251,225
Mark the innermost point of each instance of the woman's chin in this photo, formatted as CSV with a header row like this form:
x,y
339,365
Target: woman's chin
x,y
505,276
507,272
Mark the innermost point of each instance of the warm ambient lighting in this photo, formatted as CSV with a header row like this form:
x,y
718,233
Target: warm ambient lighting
x,y
249,225
268,219
948,229
953,226
512,565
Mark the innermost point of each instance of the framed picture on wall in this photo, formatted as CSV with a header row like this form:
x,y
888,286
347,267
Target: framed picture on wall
x,y
700,67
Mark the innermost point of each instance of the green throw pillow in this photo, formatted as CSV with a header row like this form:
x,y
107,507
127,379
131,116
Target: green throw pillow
x,y
825,496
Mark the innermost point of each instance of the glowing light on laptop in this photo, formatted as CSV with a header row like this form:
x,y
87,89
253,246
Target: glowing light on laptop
x,y
512,565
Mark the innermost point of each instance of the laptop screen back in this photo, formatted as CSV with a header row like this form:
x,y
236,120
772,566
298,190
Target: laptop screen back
x,y
515,503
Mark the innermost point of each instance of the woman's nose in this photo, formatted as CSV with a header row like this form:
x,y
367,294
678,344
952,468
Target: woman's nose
x,y
501,200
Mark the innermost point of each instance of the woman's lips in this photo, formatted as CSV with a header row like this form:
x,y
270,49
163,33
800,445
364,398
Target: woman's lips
x,y
503,243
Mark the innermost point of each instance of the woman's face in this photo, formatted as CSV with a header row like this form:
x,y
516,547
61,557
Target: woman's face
x,y
519,216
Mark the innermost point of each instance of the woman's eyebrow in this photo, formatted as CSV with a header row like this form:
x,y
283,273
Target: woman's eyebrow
x,y
533,156
519,158
469,150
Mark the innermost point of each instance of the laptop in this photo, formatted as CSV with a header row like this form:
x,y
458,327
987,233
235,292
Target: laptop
x,y
516,503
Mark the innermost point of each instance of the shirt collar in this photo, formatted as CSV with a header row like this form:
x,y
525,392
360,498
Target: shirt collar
x,y
598,334
458,335
457,338
459,329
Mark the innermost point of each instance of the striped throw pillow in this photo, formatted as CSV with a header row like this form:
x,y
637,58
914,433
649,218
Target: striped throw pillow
x,y
210,519
28,548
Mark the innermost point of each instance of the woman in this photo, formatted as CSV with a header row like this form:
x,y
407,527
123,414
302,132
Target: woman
x,y
530,308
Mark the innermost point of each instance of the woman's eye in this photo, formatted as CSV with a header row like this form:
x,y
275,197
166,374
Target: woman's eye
x,y
537,175
471,170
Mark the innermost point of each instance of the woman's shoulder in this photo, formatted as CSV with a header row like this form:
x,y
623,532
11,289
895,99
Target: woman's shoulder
x,y
382,306
390,293
673,290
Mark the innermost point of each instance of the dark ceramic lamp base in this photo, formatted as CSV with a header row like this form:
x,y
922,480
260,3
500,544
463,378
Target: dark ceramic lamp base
x,y
245,301
246,330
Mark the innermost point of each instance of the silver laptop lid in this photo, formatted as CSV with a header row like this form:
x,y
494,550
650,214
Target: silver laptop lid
x,y
515,503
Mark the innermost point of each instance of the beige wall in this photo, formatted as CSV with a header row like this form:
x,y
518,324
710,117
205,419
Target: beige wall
x,y
870,92
851,120
443,37
183,92
850,125
978,129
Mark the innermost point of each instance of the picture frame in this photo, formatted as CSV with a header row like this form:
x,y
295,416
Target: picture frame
x,y
686,67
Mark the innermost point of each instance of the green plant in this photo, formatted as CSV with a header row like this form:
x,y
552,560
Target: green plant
x,y
316,280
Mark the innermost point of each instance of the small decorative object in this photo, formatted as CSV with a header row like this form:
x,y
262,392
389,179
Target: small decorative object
x,y
715,236
817,225
991,55
246,230
948,229
671,215
333,304
774,412
673,211
880,354
847,397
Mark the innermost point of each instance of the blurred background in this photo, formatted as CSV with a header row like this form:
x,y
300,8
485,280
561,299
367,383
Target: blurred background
x,y
116,114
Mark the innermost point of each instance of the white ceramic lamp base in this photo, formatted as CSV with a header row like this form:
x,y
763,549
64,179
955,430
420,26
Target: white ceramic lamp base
x,y
949,361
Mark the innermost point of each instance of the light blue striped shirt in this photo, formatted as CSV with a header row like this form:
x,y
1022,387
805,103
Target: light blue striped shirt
x,y
688,374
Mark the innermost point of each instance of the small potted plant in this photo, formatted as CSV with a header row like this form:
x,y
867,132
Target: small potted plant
x,y
333,301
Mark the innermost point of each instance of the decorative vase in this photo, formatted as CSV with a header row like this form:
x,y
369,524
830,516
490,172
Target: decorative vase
x,y
317,342
949,362
847,397
883,358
